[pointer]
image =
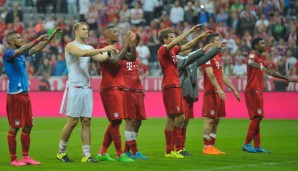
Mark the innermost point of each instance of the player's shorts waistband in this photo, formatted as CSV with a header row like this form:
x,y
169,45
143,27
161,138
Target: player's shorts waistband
x,y
133,90
171,86
84,87
253,91
112,88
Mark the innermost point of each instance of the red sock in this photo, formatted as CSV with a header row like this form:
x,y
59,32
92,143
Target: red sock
x,y
257,138
176,138
168,135
183,138
206,142
12,144
126,146
116,136
212,140
25,140
133,146
252,129
106,141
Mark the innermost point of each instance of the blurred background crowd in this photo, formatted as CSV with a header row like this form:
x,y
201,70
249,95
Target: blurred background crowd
x,y
237,21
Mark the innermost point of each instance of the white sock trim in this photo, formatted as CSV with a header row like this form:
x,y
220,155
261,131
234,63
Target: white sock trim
x,y
207,137
86,150
129,135
213,135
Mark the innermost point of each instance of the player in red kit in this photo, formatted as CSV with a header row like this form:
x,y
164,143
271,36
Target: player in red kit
x,y
171,89
112,94
256,67
134,98
214,97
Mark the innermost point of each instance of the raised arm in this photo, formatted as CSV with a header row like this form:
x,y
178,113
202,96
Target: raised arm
x,y
30,45
252,63
73,49
230,85
116,57
44,43
211,76
195,41
182,36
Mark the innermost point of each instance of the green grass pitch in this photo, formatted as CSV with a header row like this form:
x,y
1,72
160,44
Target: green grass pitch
x,y
280,136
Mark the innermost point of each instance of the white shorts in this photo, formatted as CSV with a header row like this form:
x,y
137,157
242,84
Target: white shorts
x,y
77,102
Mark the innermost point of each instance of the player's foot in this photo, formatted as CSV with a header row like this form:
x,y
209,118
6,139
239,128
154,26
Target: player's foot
x,y
128,154
261,150
248,148
209,150
216,150
105,157
184,153
139,156
124,158
88,159
174,154
17,162
28,160
63,157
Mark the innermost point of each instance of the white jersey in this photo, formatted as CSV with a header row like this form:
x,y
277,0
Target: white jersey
x,y
78,67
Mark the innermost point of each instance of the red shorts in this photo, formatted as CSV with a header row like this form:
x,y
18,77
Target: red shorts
x,y
19,110
188,106
135,105
113,102
254,104
173,100
213,106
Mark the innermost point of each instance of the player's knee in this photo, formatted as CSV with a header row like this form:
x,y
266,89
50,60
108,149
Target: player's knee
x,y
73,122
116,122
86,122
137,123
14,129
27,129
180,120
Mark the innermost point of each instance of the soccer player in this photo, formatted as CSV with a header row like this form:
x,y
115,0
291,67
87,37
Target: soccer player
x,y
214,97
77,100
256,67
18,103
171,90
188,62
134,98
112,94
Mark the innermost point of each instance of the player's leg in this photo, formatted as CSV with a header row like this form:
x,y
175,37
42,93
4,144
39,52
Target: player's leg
x,y
213,135
130,143
257,139
65,135
12,145
116,137
182,150
86,138
102,155
208,125
177,131
25,140
168,133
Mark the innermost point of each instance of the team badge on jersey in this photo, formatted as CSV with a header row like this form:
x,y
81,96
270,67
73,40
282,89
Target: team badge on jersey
x,y
212,112
259,111
116,114
251,56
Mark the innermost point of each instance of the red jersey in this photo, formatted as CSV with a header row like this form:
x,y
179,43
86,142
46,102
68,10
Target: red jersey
x,y
255,77
130,74
168,62
216,64
111,73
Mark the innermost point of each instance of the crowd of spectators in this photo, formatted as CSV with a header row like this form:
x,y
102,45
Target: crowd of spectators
x,y
237,22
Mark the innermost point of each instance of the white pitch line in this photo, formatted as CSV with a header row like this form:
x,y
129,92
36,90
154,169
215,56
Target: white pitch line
x,y
247,165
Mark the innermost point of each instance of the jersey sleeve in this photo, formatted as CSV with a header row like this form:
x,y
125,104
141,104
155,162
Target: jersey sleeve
x,y
26,53
208,63
8,55
177,49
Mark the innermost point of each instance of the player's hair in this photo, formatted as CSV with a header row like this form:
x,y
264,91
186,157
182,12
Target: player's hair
x,y
255,42
164,34
9,35
107,29
77,25
210,38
